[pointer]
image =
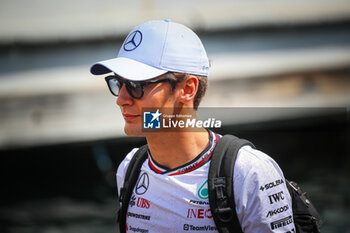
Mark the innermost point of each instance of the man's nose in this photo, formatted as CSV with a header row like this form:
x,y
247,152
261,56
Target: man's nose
x,y
124,97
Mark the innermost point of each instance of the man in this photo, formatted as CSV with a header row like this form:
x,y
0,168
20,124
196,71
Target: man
x,y
163,65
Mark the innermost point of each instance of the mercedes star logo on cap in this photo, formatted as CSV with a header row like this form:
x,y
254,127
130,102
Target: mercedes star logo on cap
x,y
133,41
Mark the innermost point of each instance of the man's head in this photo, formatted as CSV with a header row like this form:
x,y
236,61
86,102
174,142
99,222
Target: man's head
x,y
157,57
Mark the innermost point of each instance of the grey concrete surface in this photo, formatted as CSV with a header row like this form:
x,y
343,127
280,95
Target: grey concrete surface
x,y
51,20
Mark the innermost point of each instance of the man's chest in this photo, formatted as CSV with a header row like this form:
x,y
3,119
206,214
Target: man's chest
x,y
162,203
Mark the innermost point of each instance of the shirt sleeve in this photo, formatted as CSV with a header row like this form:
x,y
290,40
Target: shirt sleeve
x,y
122,168
263,203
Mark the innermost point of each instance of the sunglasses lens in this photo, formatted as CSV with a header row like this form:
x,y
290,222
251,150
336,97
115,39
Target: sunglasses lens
x,y
114,86
134,89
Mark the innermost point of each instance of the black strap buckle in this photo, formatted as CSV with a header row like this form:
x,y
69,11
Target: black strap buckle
x,y
225,214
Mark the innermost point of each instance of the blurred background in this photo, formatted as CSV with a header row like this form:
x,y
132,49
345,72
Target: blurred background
x,y
280,73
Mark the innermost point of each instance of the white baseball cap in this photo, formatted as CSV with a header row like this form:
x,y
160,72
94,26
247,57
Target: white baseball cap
x,y
154,48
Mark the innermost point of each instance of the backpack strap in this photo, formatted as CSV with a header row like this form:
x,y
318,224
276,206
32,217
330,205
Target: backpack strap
x,y
306,216
132,174
220,183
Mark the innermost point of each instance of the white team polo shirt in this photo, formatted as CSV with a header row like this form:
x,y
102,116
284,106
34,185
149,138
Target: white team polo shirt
x,y
176,200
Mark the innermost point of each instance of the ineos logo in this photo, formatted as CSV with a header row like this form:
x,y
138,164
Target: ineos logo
x,y
133,41
142,184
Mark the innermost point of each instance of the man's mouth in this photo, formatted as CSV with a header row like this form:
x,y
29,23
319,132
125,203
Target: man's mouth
x,y
129,117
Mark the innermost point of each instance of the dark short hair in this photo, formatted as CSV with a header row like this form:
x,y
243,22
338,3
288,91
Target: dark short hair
x,y
202,85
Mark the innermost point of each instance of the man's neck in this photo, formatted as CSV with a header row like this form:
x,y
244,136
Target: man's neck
x,y
174,149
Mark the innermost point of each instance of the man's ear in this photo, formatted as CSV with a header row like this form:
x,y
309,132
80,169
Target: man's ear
x,y
189,89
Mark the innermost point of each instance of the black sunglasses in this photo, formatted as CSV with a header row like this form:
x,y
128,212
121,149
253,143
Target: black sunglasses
x,y
134,88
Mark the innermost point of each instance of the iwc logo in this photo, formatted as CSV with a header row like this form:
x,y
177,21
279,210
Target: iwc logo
x,y
142,184
133,41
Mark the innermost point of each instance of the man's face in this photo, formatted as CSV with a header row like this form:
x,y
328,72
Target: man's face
x,y
155,96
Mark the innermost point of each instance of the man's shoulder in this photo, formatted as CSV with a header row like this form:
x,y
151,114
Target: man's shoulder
x,y
251,155
123,166
131,154
257,180
251,161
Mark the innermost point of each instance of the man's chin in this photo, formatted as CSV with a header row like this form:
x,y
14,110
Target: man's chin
x,y
133,131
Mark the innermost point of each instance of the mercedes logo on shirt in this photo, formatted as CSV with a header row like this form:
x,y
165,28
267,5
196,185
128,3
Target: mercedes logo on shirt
x,y
142,184
133,41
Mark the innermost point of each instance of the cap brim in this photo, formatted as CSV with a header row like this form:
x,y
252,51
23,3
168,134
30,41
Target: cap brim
x,y
126,68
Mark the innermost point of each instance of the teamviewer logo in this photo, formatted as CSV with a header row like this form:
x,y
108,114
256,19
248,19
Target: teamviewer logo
x,y
186,227
151,120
